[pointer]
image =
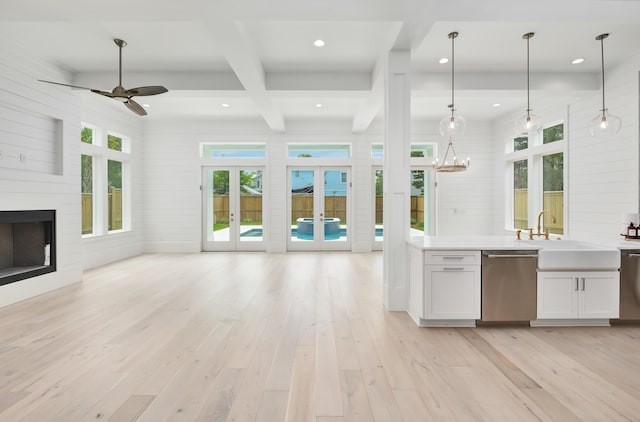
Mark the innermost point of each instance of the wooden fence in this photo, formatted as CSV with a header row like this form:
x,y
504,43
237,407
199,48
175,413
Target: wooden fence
x,y
114,216
553,201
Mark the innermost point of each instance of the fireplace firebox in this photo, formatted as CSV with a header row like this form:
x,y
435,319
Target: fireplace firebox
x,y
27,244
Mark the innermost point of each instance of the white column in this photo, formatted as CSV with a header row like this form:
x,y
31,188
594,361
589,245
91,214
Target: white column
x,y
397,145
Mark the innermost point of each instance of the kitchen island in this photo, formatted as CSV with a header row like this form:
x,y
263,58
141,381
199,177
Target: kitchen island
x,y
565,282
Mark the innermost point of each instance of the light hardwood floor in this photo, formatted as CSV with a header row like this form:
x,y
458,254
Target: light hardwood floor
x,y
290,337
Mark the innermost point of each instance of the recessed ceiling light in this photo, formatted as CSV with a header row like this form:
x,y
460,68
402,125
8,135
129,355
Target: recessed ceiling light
x,y
443,60
146,105
578,61
225,105
318,43
496,105
319,105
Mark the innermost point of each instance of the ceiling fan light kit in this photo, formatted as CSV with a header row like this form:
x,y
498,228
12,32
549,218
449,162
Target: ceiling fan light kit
x,y
119,93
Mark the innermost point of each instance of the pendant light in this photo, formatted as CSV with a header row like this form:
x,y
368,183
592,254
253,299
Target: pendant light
x,y
455,165
604,123
454,124
528,123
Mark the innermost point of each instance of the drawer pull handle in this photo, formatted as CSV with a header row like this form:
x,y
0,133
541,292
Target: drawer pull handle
x,y
453,269
453,257
511,256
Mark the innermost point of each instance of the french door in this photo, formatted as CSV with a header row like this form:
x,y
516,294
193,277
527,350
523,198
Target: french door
x,y
318,205
232,209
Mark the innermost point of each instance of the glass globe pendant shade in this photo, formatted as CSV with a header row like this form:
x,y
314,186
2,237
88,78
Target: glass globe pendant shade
x,y
453,125
604,124
528,124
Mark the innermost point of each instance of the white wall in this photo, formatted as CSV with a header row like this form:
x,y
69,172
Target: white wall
x,y
601,174
172,177
32,184
464,200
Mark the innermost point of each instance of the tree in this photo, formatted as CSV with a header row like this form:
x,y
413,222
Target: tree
x,y
379,183
552,167
86,173
86,135
417,180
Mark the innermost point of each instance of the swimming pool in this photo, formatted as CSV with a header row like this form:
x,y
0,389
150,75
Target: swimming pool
x,y
257,232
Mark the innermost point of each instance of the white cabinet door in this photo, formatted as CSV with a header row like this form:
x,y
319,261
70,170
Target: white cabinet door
x,y
452,292
599,295
557,295
586,295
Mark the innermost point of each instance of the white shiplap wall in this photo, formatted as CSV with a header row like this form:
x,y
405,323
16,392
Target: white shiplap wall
x,y
464,200
172,176
601,174
48,177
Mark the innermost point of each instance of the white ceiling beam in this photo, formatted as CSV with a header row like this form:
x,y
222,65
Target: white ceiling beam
x,y
231,39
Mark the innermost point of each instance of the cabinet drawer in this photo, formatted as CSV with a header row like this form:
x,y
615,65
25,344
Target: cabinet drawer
x,y
454,258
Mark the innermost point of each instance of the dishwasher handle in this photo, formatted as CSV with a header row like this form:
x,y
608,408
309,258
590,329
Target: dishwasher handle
x,y
492,256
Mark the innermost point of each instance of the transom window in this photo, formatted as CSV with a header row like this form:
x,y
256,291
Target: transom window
x,y
319,151
213,150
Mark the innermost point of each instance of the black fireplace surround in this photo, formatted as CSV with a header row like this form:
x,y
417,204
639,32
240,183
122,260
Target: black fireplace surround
x,y
27,244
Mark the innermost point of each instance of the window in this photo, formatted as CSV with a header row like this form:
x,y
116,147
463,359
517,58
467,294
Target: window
x,y
553,191
520,194
233,150
537,180
417,150
343,178
104,164
319,151
86,182
553,133
520,143
86,185
114,194
114,143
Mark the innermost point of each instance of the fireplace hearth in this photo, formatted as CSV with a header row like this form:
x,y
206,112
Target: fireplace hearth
x,y
27,244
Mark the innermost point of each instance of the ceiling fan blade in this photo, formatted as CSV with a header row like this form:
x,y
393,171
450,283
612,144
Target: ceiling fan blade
x,y
146,90
70,86
135,107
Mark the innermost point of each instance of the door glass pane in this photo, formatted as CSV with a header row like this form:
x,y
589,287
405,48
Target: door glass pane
x,y
220,205
378,207
553,195
114,193
417,200
520,194
302,187
251,205
334,227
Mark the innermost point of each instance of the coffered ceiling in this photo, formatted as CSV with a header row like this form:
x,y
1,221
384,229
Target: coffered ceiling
x,y
258,57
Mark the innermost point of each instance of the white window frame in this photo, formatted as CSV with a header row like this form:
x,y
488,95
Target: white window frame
x,y
100,153
534,154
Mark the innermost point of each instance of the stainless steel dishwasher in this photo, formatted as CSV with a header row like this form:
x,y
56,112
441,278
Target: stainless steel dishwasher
x,y
509,285
629,286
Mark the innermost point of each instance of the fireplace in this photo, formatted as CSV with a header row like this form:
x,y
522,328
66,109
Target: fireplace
x,y
27,244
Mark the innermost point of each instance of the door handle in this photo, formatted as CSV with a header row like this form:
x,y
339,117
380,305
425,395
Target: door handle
x,y
577,281
583,284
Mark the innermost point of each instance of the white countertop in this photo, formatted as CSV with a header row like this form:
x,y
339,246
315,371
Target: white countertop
x,y
506,242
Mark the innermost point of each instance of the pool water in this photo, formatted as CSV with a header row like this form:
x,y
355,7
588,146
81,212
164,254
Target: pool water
x,y
257,232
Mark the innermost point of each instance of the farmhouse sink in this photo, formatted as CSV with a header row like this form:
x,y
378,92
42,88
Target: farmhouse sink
x,y
575,255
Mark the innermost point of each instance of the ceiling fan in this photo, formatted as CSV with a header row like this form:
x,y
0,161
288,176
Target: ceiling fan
x,y
119,93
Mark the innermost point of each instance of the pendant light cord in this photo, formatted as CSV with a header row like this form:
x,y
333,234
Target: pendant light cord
x,y
527,37
453,36
602,37
453,67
